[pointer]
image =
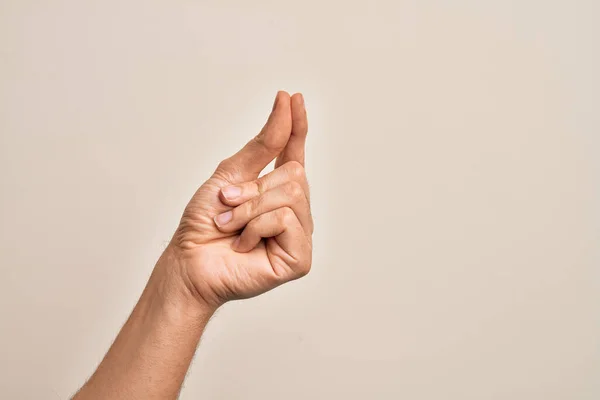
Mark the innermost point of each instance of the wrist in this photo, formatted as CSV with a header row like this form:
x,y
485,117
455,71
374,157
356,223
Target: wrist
x,y
172,286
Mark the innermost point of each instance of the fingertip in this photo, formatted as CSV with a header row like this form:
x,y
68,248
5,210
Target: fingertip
x,y
298,99
230,195
281,99
236,244
223,219
282,110
298,107
277,130
299,119
240,247
223,198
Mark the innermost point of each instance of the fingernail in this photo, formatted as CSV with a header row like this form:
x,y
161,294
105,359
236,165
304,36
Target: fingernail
x,y
231,192
224,218
236,243
275,102
301,99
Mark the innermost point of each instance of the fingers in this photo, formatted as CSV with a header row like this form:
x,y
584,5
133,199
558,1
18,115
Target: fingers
x,y
294,150
247,163
270,224
290,194
291,171
283,225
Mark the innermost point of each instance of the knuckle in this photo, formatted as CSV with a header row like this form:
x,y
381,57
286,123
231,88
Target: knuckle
x,y
254,224
227,169
286,216
304,268
293,190
295,169
260,185
269,141
259,140
225,165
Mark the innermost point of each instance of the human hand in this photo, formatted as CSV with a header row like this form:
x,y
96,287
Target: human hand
x,y
241,235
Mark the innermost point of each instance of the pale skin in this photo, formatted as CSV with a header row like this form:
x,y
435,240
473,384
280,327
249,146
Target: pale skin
x,y
239,236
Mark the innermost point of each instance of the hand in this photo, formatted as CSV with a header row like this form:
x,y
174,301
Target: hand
x,y
238,237
241,235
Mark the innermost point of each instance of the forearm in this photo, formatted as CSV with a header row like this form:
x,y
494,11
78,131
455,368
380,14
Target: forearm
x,y
153,351
239,236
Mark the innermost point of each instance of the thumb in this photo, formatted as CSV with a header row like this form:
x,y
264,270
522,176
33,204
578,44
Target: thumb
x,y
248,162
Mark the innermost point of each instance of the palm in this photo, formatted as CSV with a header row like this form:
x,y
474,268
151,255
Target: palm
x,y
226,273
212,265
